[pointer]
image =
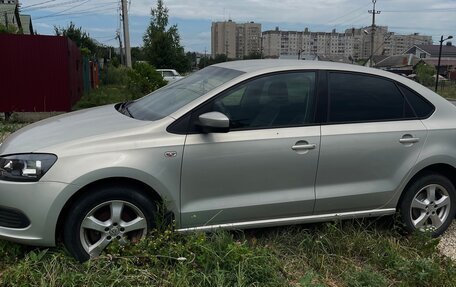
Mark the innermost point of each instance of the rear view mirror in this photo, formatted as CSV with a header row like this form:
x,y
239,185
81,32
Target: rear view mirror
x,y
214,122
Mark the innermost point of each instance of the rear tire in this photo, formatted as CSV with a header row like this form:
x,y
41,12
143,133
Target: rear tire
x,y
106,214
429,204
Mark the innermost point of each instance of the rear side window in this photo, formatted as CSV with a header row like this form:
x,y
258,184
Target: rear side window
x,y
422,107
363,98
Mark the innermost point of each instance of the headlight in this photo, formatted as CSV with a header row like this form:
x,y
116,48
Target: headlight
x,y
25,167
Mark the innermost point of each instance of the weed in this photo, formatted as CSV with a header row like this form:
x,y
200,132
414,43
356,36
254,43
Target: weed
x,y
163,259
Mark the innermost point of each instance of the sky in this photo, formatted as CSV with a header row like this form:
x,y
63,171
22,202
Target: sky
x,y
100,18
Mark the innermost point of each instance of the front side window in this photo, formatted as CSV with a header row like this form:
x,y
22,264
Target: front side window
x,y
362,98
172,97
280,100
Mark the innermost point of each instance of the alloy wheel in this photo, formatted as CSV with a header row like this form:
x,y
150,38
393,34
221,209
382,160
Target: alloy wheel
x,y
430,207
112,220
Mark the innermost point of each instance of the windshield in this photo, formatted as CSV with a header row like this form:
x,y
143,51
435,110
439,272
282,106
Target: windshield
x,y
172,97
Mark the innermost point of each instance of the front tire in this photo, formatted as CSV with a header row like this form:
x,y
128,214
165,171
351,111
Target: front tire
x,y
429,204
106,214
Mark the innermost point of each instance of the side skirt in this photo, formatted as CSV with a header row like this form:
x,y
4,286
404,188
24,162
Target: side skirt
x,y
292,220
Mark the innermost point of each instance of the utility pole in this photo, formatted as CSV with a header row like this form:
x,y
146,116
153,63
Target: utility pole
x,y
126,33
438,65
373,12
120,48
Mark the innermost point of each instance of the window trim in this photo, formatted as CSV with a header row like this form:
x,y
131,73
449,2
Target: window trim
x,y
326,120
177,127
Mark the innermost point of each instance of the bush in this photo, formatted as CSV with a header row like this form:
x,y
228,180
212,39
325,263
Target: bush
x,y
143,79
425,74
112,75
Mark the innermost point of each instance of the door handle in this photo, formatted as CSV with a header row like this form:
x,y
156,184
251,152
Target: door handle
x,y
409,140
299,147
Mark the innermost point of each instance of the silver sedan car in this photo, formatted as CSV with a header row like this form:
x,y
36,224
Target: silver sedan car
x,y
236,145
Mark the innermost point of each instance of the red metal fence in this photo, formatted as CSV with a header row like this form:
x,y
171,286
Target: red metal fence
x,y
39,73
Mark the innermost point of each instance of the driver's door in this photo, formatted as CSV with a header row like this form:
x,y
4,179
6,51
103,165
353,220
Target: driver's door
x,y
265,167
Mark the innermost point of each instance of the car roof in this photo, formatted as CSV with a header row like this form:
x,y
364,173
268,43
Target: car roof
x,y
248,66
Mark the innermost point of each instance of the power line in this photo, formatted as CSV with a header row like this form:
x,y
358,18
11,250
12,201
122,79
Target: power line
x,y
37,4
79,15
95,10
105,41
52,5
71,17
65,4
58,13
437,10
353,21
331,22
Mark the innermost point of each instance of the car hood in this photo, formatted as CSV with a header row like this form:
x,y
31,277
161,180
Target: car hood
x,y
67,128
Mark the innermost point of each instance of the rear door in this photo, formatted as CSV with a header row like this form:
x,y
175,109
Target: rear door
x,y
371,140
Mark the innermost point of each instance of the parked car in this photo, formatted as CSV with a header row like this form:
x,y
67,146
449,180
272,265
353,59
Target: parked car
x,y
170,75
236,145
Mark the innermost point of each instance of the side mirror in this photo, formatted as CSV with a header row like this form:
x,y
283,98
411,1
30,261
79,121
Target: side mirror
x,y
214,122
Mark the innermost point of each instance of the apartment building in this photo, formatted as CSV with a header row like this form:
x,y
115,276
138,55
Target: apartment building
x,y
398,44
353,43
235,40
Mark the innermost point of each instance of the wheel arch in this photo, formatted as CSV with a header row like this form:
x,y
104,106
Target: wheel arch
x,y
447,170
125,181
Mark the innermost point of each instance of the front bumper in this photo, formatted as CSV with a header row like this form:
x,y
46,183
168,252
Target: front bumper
x,y
41,203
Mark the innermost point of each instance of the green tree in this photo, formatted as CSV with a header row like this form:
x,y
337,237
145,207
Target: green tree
x,y
204,62
137,54
162,46
143,79
425,73
80,37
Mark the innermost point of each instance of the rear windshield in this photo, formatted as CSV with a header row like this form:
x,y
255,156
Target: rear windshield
x,y
172,97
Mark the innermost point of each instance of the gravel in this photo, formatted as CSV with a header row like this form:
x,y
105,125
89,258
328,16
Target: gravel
x,y
447,244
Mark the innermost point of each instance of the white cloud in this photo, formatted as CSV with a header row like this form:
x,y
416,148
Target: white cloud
x,y
430,17
288,11
200,40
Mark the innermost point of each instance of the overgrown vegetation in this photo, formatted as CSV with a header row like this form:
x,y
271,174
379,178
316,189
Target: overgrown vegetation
x,y
350,253
7,127
143,79
425,73
447,89
120,84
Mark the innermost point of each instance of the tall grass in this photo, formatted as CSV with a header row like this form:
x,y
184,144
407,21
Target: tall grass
x,y
163,259
350,253
8,127
447,89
